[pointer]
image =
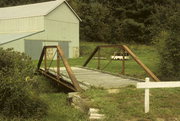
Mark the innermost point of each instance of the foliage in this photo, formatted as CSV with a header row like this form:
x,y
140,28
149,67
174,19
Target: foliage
x,y
17,98
169,52
43,85
168,39
120,21
134,30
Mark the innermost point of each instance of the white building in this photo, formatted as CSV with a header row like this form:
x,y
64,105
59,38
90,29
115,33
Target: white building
x,y
27,28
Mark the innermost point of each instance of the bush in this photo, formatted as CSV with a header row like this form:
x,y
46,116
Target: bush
x,y
169,50
17,98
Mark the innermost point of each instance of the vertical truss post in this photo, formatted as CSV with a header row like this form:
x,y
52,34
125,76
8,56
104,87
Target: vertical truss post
x,y
58,64
98,58
45,59
123,62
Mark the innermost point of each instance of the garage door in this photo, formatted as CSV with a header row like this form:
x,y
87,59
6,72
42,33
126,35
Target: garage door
x,y
33,48
65,46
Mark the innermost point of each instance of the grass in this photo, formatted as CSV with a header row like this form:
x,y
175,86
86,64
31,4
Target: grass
x,y
128,104
60,110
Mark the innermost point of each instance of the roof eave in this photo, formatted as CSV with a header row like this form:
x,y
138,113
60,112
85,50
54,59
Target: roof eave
x,y
73,11
68,6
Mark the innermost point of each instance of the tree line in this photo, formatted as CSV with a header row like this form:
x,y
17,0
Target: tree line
x,y
115,21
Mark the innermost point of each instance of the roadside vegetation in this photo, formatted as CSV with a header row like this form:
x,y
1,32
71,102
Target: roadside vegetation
x,y
127,104
18,98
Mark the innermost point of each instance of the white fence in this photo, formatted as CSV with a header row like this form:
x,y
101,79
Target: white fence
x,y
147,85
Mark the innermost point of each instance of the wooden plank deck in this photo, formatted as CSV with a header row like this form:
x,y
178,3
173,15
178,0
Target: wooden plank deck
x,y
98,79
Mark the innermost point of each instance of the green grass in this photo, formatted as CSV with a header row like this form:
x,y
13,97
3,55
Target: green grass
x,y
128,104
60,110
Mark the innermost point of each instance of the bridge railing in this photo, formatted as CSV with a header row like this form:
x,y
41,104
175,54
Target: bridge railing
x,y
125,50
56,75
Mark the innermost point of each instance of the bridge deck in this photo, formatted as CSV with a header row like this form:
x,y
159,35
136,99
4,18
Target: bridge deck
x,y
98,79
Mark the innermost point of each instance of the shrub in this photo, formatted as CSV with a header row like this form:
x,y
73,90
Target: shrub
x,y
17,98
169,50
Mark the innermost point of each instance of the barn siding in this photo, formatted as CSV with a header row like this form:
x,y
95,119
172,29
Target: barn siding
x,y
61,24
29,24
18,45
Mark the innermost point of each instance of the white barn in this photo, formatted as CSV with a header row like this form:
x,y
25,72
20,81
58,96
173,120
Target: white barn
x,y
27,28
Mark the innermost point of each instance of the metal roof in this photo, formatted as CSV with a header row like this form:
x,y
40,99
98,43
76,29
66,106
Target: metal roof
x,y
5,38
38,9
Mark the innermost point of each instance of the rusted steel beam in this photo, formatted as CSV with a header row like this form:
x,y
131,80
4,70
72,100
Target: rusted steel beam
x,y
69,70
109,46
60,80
41,58
90,57
50,46
98,67
123,63
149,72
45,59
58,65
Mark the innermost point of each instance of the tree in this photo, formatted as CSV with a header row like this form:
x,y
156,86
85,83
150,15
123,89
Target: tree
x,y
168,39
94,26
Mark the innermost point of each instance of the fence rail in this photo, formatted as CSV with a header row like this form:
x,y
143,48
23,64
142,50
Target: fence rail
x,y
147,85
